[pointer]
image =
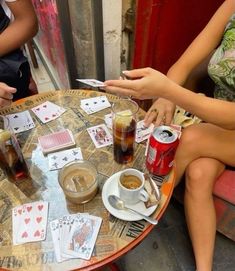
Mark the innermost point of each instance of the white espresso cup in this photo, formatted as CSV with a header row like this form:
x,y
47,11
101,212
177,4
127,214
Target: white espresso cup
x,y
131,186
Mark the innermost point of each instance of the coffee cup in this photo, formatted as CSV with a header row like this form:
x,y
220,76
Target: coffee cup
x,y
131,186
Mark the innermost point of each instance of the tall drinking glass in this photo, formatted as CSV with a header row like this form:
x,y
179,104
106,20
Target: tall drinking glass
x,y
124,129
11,158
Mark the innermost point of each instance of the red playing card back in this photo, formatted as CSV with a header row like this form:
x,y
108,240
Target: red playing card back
x,y
56,141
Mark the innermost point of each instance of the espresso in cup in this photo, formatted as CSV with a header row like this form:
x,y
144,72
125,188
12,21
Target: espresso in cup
x,y
130,181
131,186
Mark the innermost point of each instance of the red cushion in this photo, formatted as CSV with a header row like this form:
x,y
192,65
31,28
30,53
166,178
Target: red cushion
x,y
225,186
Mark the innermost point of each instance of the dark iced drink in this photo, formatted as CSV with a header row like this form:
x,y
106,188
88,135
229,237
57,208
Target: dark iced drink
x,y
11,158
124,129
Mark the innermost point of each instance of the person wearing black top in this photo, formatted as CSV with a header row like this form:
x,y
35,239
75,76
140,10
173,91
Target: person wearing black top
x,y
14,67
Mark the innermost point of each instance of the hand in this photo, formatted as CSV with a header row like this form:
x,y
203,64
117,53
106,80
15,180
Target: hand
x,y
6,94
162,111
146,83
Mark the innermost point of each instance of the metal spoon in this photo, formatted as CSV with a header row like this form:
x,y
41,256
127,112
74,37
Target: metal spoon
x,y
119,204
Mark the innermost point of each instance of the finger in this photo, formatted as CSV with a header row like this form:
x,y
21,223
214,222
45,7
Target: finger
x,y
136,73
168,119
149,119
120,90
150,116
5,102
160,119
5,87
124,84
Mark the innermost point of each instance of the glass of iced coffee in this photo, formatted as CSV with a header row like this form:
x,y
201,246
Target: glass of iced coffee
x,y
11,158
124,128
79,182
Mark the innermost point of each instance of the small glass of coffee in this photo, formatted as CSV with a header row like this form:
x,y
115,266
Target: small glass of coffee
x,y
79,182
11,158
131,186
124,129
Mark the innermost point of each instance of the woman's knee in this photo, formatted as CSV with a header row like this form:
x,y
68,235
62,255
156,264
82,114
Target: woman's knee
x,y
191,134
199,179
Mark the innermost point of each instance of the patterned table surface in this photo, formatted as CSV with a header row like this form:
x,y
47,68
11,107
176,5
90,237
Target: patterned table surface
x,y
116,237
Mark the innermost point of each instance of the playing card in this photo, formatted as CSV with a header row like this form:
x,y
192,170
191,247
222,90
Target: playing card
x,y
60,231
59,159
95,104
21,121
56,141
92,82
146,147
31,223
100,135
143,132
17,213
177,128
54,225
83,235
109,120
48,111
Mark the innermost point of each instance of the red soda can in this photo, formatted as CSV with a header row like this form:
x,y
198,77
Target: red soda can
x,y
161,150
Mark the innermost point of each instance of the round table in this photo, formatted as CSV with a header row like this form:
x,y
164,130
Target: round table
x,y
116,237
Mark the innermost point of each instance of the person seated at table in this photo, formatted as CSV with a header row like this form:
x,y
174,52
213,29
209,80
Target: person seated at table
x,y
206,148
18,24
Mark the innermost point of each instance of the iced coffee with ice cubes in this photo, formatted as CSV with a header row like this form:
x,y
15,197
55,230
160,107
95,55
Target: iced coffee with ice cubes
x,y
79,181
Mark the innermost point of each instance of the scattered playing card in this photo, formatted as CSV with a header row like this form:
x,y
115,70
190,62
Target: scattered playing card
x,y
68,243
48,111
82,236
55,232
93,105
92,82
58,159
109,120
177,128
21,121
100,135
142,132
56,141
29,222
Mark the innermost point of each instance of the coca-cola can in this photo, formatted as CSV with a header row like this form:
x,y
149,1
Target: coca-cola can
x,y
162,146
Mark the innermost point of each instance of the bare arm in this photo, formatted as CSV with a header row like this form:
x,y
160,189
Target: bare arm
x,y
153,83
22,29
188,69
218,112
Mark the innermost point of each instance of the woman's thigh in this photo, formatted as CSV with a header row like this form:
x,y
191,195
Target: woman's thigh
x,y
209,141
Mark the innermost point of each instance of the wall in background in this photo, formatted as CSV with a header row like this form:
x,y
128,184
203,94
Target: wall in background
x,y
49,42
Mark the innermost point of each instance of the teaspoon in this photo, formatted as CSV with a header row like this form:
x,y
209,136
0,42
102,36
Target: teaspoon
x,y
119,204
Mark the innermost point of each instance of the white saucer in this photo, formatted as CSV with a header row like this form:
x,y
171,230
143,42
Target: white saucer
x,y
111,188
